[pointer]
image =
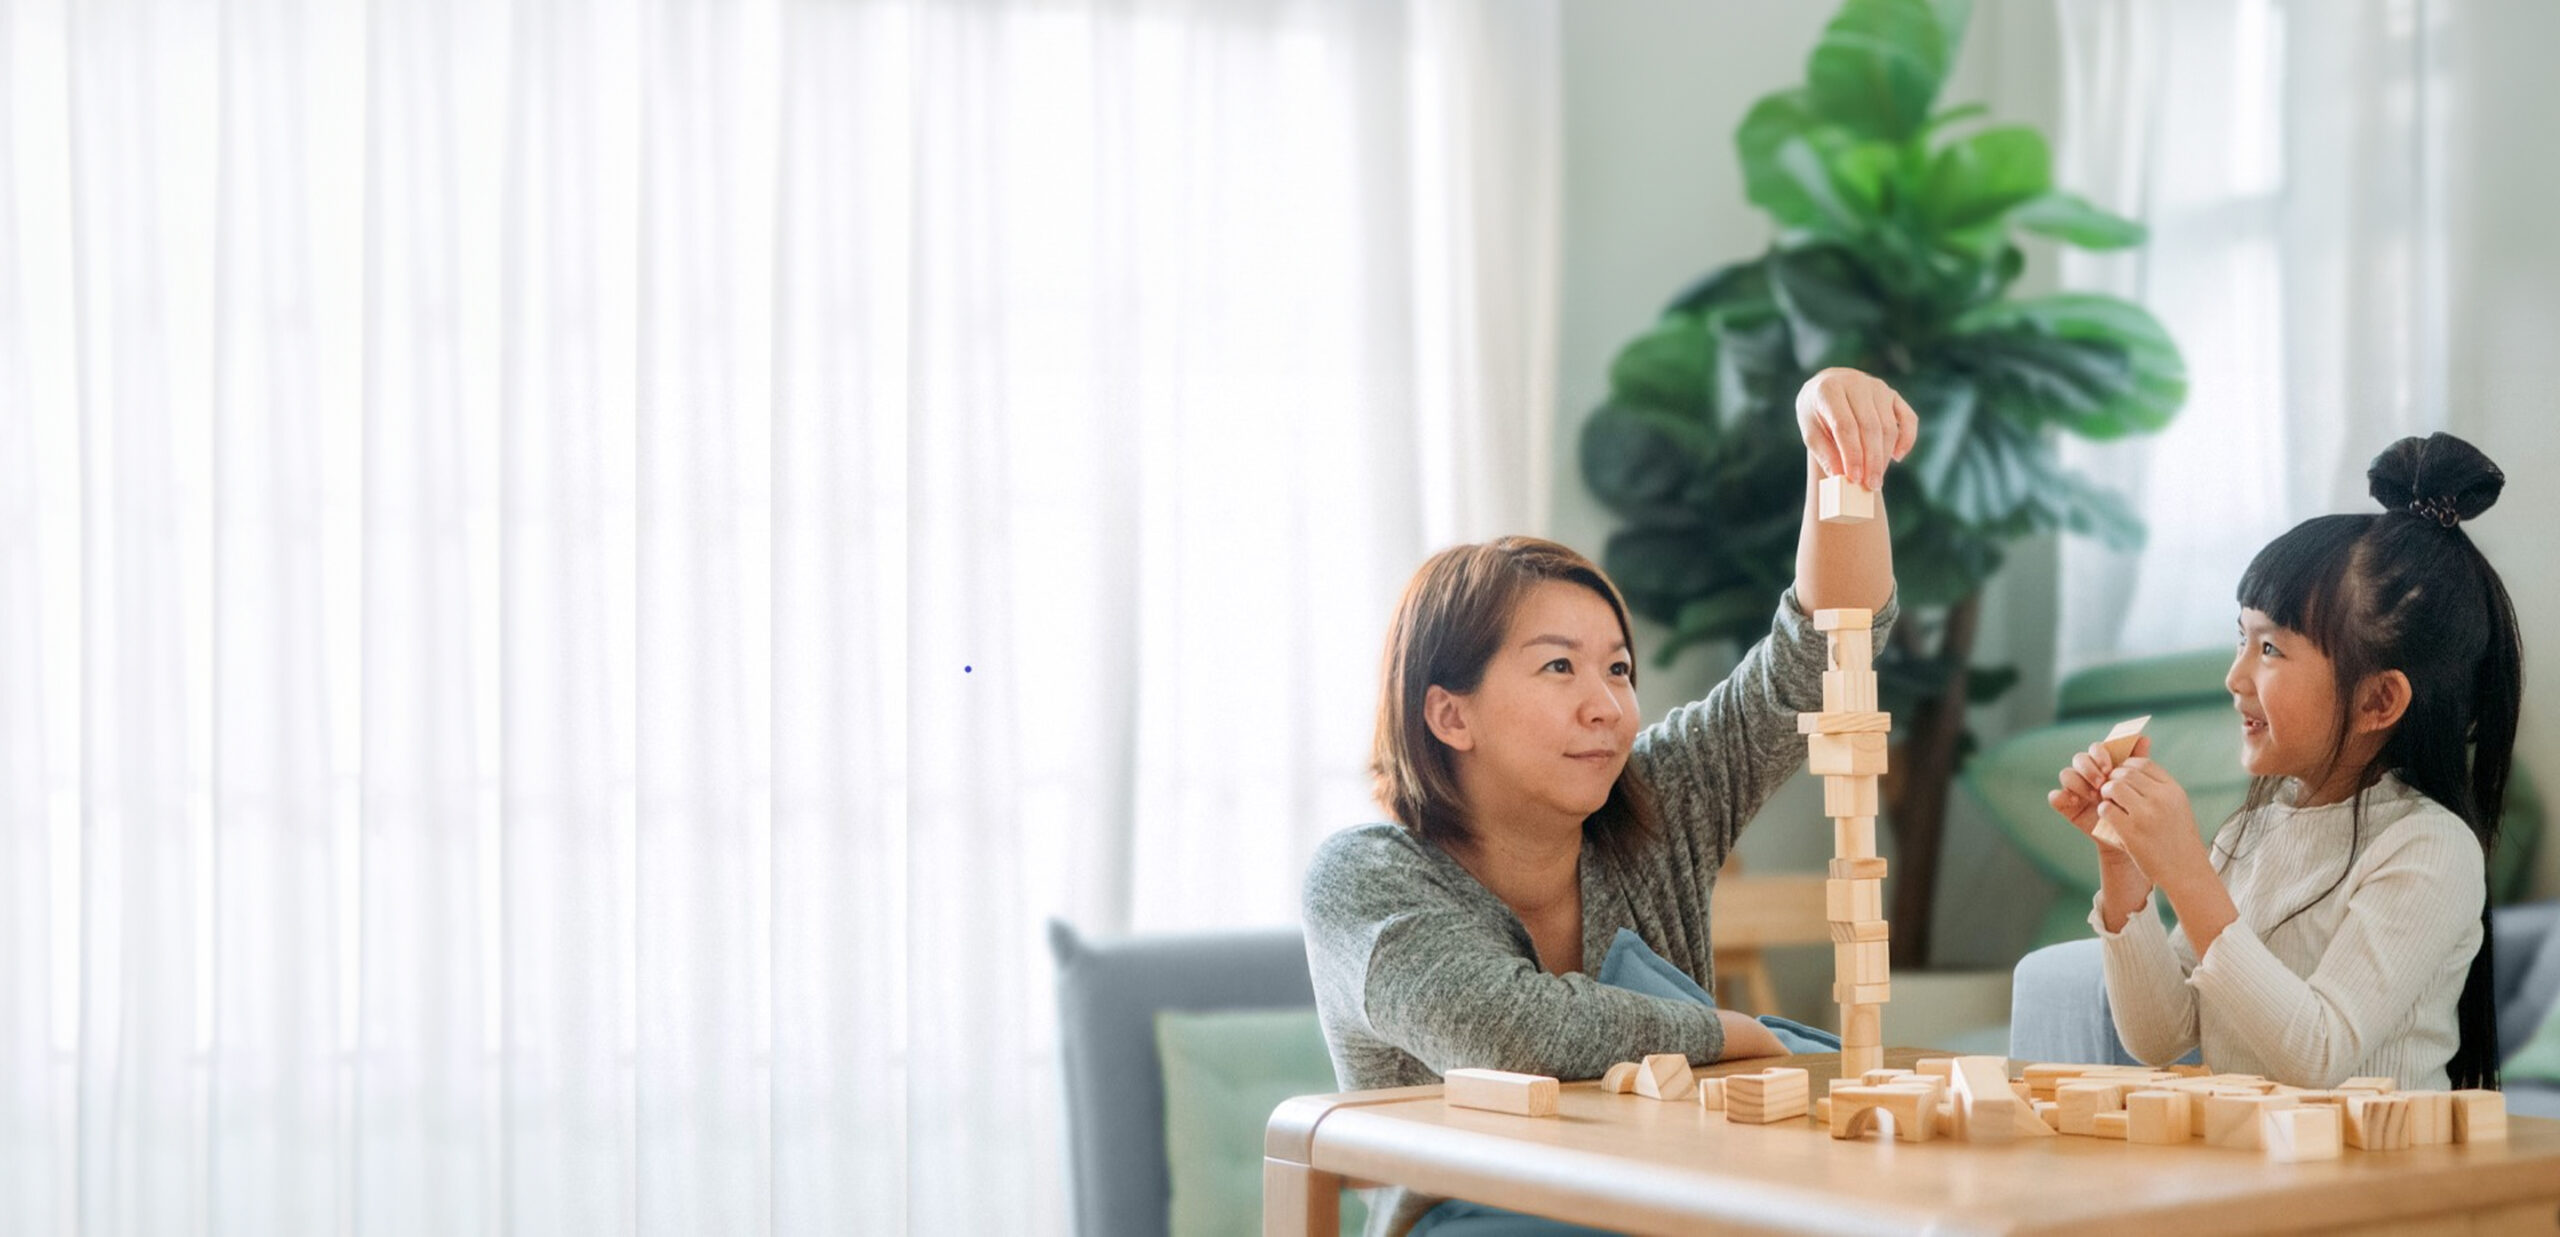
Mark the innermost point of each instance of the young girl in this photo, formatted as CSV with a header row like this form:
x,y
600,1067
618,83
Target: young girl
x,y
1534,824
2338,925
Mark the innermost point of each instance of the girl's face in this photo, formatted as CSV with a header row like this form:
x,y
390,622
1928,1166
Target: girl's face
x,y
1550,726
2287,694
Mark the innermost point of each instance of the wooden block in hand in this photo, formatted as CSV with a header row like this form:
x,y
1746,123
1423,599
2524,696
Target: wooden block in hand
x,y
1841,501
1862,962
2119,741
1848,796
1846,755
1620,1080
2479,1116
2159,1117
1844,619
1859,929
1665,1076
1848,691
1844,723
1852,901
2293,1135
1853,648
1522,1095
1854,837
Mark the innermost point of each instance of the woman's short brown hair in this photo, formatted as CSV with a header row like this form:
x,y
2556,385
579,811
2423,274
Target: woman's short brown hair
x,y
1446,630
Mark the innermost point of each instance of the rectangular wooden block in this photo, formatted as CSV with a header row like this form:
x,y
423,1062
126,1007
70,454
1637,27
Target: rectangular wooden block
x,y
2479,1116
1664,1076
1862,1026
2430,1117
1869,868
1854,837
1984,1103
1522,1095
2108,1125
1841,501
1935,1067
1859,929
2233,1120
1711,1094
1852,901
2157,1117
1770,1096
1848,691
1843,723
1863,962
2082,1102
2378,1122
2369,1082
1844,619
1848,796
1880,1076
1845,755
2293,1135
1853,648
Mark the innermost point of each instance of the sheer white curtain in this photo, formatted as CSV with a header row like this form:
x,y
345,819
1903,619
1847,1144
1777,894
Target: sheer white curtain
x,y
2289,158
576,578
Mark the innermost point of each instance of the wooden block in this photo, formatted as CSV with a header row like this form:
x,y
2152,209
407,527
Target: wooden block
x,y
1772,1095
1665,1076
1841,501
1868,868
1853,901
2108,1125
2043,1078
1881,1076
1844,619
2378,1122
1854,837
1849,691
1985,1107
2031,1121
1822,1112
1861,1057
2081,1102
1711,1094
2048,1114
1862,962
1914,1111
1848,796
2293,1135
1845,755
1935,1067
2119,741
2233,1120
2430,1117
1844,723
2370,1082
1861,1026
2479,1116
2157,1117
1521,1095
1620,1080
1859,929
1844,993
1853,648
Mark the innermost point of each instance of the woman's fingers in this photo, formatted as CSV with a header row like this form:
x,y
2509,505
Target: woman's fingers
x,y
1875,432
1906,428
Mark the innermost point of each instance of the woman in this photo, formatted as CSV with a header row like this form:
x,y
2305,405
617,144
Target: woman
x,y
1532,820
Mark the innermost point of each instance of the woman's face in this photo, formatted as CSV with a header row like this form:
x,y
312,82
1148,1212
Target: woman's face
x,y
1553,720
2287,694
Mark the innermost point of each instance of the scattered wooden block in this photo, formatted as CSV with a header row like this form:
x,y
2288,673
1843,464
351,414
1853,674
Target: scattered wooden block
x,y
2369,1082
1985,1107
2430,1117
1849,691
1935,1067
2158,1117
2479,1116
1853,901
2293,1135
1881,1076
2108,1125
1862,963
1665,1076
1871,929
1841,501
1620,1080
2377,1122
1711,1094
1772,1095
2081,1102
2233,1121
1914,1111
1854,837
2043,1078
1521,1095
2048,1114
1845,755
1853,648
1844,619
2031,1121
1822,1112
1844,723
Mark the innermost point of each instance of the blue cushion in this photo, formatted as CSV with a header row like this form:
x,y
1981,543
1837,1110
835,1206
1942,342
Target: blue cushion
x,y
1634,966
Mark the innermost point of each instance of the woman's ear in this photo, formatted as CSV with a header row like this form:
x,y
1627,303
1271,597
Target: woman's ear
x,y
2381,700
1445,712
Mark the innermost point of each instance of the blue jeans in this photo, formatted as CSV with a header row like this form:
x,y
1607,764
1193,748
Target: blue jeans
x,y
2058,1008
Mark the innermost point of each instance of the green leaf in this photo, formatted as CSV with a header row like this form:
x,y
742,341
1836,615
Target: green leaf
x,y
1774,121
2072,220
1826,303
1673,366
1637,464
1661,567
2155,376
1994,475
1939,562
1945,404
1755,362
2095,511
1977,179
1984,684
2036,377
1953,17
1957,115
1735,283
1878,67
1739,615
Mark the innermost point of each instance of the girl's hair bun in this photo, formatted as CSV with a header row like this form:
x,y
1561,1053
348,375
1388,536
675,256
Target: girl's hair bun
x,y
2438,477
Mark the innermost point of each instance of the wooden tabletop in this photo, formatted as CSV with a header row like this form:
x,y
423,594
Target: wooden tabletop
x,y
1646,1166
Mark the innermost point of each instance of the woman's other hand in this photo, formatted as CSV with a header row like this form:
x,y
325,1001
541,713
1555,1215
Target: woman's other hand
x,y
1854,425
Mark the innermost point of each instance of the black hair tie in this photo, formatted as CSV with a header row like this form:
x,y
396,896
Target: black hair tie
x,y
2440,510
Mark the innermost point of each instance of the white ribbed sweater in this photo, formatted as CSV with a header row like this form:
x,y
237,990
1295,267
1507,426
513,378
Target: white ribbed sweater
x,y
2363,982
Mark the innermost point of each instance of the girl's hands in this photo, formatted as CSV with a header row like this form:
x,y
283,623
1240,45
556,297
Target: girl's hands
x,y
1854,425
2149,810
2078,798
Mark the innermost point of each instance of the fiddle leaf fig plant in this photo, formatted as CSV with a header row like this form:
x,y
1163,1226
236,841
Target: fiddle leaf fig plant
x,y
1897,252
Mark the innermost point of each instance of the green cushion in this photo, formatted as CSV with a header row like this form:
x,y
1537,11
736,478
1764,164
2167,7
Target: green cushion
x,y
2539,1059
1224,1071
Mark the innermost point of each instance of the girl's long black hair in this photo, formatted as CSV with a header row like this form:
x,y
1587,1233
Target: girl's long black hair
x,y
2406,590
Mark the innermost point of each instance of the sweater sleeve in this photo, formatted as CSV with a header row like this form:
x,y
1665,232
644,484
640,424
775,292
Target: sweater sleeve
x,y
1713,762
2147,992
1440,976
2414,912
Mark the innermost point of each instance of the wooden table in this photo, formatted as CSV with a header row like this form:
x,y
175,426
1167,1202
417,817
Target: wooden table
x,y
1649,1167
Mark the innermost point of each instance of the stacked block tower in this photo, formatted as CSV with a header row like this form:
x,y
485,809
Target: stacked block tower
x,y
1845,746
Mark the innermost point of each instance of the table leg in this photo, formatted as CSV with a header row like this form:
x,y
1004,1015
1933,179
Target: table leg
x,y
1298,1201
